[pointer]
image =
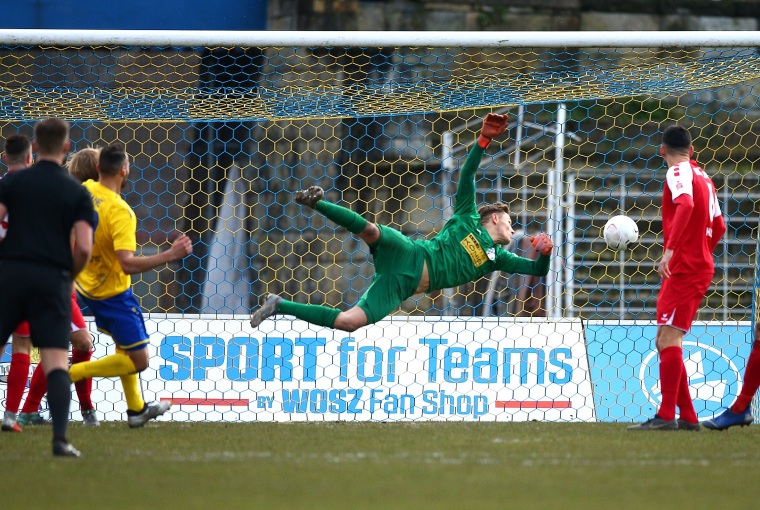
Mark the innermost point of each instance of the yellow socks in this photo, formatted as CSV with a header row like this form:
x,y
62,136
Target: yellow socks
x,y
132,393
110,366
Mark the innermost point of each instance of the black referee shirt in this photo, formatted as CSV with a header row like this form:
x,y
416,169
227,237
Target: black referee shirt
x,y
43,203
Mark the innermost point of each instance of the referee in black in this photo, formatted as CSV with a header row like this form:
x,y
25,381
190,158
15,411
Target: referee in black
x,y
46,209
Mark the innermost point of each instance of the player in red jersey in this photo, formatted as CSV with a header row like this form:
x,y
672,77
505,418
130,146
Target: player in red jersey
x,y
692,225
18,155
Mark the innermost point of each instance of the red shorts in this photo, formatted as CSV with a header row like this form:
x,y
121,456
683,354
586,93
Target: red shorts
x,y
679,299
77,319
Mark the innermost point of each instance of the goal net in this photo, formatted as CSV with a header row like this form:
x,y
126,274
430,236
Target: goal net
x,y
224,127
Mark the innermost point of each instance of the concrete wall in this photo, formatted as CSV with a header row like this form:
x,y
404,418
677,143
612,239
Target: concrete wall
x,y
514,15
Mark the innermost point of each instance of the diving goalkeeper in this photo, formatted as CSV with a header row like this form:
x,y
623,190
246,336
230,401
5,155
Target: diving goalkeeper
x,y
468,247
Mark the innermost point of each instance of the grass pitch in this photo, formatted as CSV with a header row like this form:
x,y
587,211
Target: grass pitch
x,y
382,466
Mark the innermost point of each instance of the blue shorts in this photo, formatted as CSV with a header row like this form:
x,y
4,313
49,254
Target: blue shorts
x,y
120,317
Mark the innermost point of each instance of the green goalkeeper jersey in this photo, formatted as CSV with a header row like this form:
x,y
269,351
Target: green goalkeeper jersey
x,y
463,251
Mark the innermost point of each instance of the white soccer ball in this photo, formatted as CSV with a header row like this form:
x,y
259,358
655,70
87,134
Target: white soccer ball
x,y
620,232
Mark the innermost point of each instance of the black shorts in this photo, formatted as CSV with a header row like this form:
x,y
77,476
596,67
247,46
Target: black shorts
x,y
39,294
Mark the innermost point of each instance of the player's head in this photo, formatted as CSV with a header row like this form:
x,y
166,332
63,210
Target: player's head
x,y
113,162
17,152
496,220
676,141
51,137
83,164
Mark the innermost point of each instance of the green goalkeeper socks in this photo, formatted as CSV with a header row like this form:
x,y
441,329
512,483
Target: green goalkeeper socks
x,y
342,216
313,314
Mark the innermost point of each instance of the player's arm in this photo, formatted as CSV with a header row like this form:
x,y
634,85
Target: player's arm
x,y
718,223
718,229
134,264
82,248
493,126
684,208
523,265
515,264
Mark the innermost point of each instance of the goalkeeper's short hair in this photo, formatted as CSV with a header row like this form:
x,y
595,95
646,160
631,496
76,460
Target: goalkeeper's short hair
x,y
487,209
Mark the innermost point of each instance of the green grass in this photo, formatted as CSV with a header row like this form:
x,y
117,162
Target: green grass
x,y
382,465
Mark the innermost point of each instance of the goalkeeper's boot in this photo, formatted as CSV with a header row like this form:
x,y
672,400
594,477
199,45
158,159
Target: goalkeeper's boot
x,y
151,411
63,448
9,422
34,418
728,419
688,426
90,418
310,196
656,423
266,310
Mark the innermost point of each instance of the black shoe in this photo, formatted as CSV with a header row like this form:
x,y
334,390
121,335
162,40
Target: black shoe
x,y
691,427
64,449
309,197
656,423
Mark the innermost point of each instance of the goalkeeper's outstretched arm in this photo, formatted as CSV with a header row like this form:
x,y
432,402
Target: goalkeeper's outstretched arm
x,y
493,125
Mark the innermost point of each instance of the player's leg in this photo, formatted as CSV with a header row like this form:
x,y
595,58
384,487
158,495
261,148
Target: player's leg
x,y
81,351
319,315
313,197
30,413
740,413
59,398
669,346
138,411
13,307
127,328
114,316
751,380
399,268
694,293
688,419
132,393
272,304
677,306
18,375
49,317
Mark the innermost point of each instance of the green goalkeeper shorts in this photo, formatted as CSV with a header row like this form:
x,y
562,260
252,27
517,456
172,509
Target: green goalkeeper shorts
x,y
398,270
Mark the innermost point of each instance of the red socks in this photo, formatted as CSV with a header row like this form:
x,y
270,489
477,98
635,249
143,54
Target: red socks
x,y
685,404
17,377
37,389
38,386
751,381
671,372
83,387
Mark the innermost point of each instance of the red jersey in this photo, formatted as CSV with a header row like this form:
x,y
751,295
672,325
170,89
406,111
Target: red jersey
x,y
694,251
